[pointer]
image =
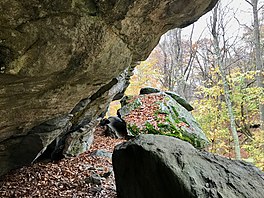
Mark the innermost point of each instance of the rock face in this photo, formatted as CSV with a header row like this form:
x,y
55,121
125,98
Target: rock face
x,y
148,90
158,166
180,100
161,113
62,62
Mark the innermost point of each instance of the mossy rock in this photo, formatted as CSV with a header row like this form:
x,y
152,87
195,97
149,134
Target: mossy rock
x,y
129,106
180,100
170,119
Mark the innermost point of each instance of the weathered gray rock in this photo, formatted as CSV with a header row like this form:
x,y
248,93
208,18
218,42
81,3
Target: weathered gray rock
x,y
93,179
180,100
148,90
54,54
158,166
78,142
102,153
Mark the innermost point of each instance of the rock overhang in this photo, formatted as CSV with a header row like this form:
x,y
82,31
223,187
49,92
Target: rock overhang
x,y
55,54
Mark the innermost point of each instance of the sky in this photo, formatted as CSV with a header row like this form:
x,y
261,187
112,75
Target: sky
x,y
242,12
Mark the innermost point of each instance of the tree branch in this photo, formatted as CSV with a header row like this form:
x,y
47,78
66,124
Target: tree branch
x,y
248,2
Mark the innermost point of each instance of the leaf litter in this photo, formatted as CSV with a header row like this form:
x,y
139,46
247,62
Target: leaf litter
x,y
69,177
77,177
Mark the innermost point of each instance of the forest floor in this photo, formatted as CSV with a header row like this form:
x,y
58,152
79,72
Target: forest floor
x,y
84,176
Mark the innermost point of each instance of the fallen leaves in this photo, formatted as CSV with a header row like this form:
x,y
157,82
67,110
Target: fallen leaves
x,y
146,112
67,177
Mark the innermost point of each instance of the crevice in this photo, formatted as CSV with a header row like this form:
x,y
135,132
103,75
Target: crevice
x,y
104,89
6,56
80,109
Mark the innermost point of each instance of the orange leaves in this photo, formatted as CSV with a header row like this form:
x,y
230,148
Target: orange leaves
x,y
65,178
182,124
147,112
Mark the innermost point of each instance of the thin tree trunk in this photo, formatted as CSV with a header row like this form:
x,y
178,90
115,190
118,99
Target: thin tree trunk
x,y
220,63
259,61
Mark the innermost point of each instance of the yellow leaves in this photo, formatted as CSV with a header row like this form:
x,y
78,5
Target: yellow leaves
x,y
211,113
212,92
237,77
113,107
256,148
214,70
145,74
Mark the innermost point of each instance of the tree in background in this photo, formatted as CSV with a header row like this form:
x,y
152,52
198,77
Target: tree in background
x,y
176,61
172,62
217,29
258,56
145,74
196,65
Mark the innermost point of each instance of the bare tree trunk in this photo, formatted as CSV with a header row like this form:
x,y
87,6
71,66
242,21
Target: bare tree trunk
x,y
220,63
259,61
172,63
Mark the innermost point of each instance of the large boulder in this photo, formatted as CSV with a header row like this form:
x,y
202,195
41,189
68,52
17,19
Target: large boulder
x,y
158,166
180,100
175,96
161,113
57,54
